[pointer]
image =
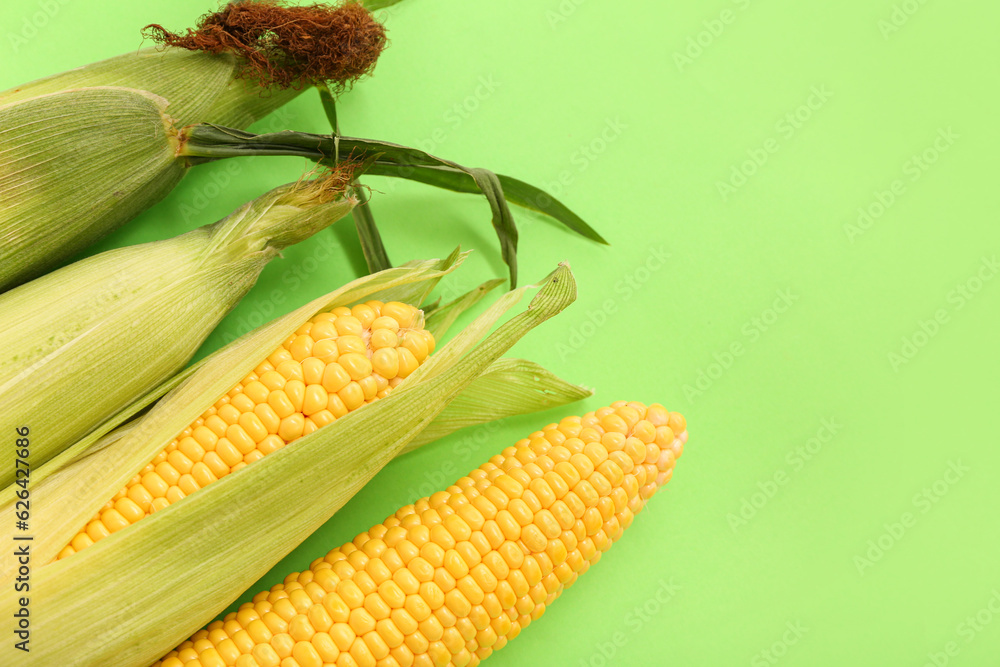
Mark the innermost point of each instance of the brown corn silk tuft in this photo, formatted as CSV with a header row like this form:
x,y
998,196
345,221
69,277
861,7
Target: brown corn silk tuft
x,y
287,46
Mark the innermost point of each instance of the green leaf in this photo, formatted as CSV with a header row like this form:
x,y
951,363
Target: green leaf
x,y
376,256
503,221
516,192
210,142
527,195
510,387
405,162
487,182
329,106
439,319
95,437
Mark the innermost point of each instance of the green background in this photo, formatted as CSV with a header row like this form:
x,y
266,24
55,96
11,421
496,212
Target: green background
x,y
635,114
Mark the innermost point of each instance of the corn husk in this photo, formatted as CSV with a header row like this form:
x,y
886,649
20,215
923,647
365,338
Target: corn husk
x,y
238,65
510,387
79,344
85,151
131,597
201,87
115,151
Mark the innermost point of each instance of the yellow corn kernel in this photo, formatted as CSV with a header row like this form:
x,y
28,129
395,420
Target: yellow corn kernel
x,y
455,576
319,374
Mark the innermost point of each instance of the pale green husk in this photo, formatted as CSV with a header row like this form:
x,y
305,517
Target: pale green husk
x,y
440,317
200,86
510,387
79,344
73,166
131,597
84,151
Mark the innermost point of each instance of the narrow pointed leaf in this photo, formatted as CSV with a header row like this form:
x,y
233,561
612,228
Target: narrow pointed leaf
x,y
376,256
329,106
439,319
527,195
510,387
516,191
210,142
503,221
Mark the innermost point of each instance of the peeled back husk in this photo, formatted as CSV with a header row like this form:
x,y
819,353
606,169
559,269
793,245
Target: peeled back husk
x,y
132,596
79,344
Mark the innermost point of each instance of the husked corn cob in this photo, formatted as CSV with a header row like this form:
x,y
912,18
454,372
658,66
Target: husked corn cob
x,y
454,577
334,364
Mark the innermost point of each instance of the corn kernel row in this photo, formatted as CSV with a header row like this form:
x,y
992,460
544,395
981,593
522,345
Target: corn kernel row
x,y
332,365
454,577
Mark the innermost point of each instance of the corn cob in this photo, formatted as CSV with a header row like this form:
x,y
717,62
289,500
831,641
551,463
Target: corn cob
x,y
78,326
455,576
84,151
140,592
334,364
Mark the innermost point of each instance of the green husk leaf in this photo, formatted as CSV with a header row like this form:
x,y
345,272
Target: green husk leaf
x,y
108,605
510,387
415,292
84,151
115,148
437,323
82,446
376,256
503,221
206,142
516,191
439,319
62,505
199,86
329,103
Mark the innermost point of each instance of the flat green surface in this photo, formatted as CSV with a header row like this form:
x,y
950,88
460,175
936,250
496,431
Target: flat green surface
x,y
802,207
